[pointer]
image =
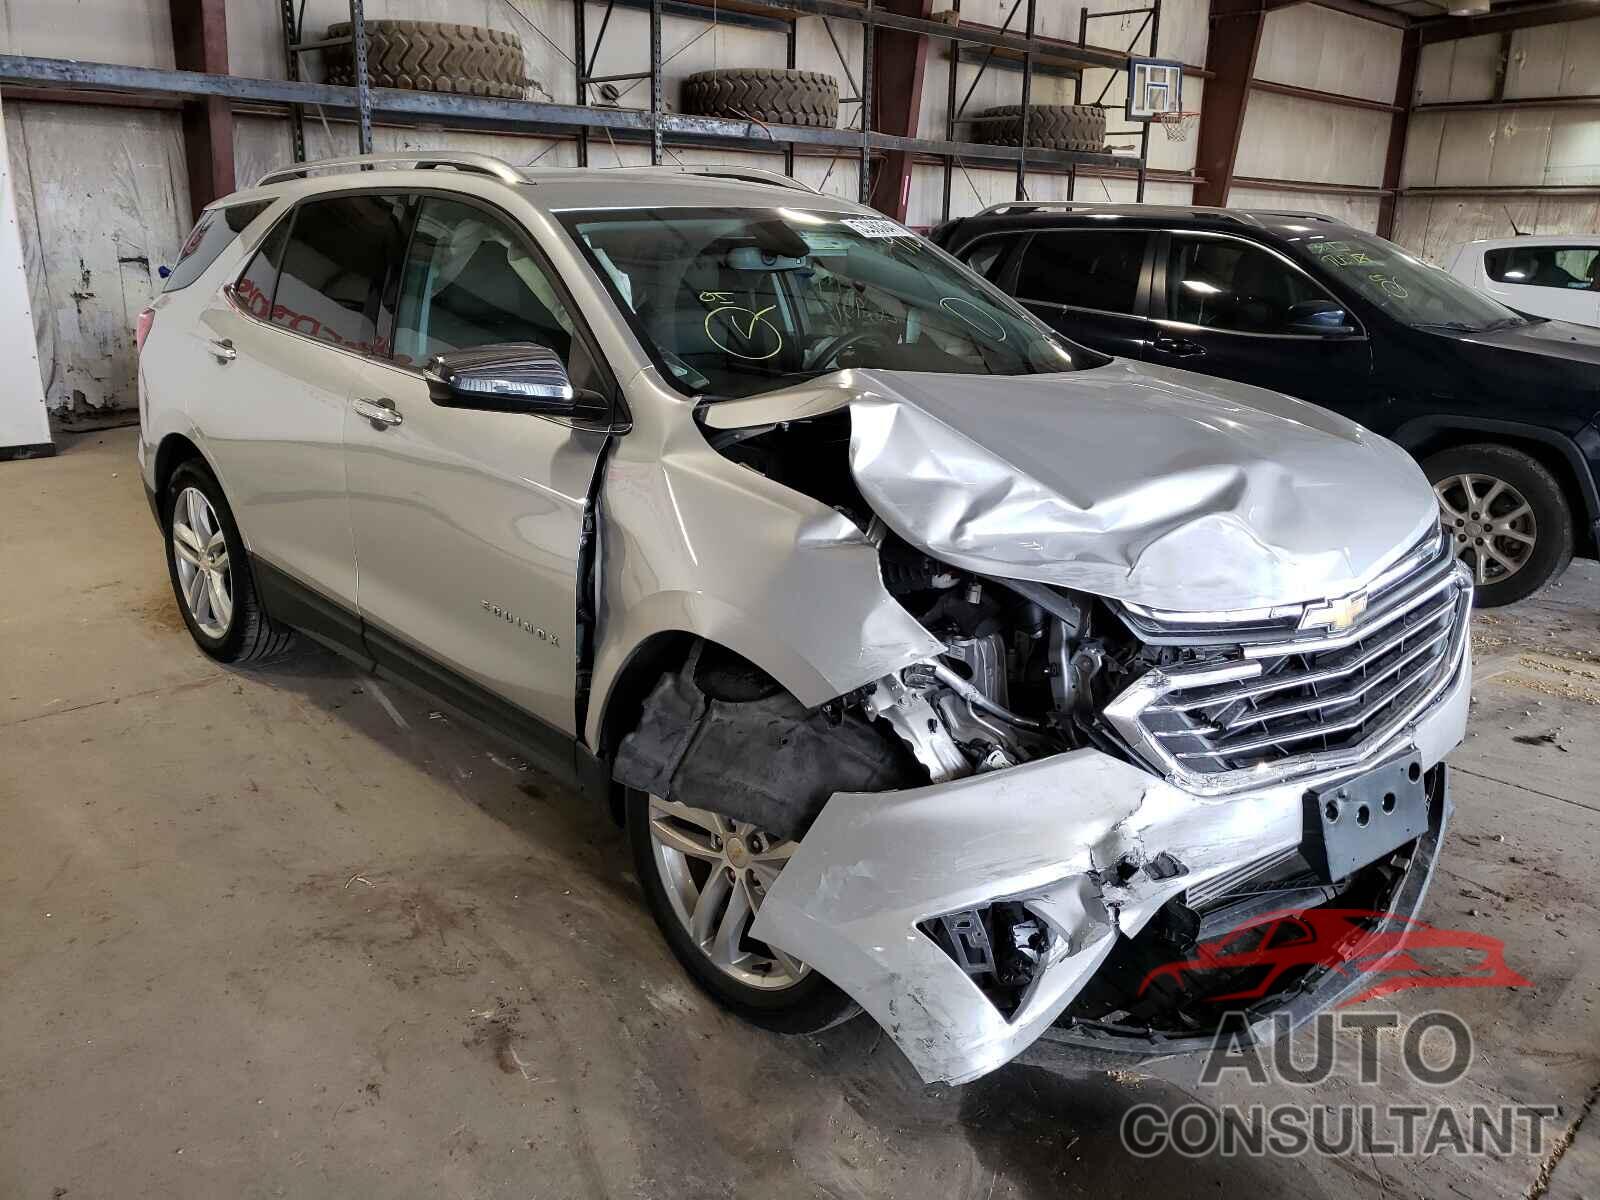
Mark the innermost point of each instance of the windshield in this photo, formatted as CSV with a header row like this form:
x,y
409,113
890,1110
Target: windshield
x,y
1406,288
732,302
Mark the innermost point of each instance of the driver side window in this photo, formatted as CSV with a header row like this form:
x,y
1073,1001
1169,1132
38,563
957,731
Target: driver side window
x,y
1220,283
469,281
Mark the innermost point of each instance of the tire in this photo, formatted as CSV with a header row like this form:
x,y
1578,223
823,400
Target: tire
x,y
248,634
764,94
1050,126
809,1005
433,56
1524,483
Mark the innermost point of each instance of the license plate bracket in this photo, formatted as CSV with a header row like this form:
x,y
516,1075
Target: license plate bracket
x,y
1357,821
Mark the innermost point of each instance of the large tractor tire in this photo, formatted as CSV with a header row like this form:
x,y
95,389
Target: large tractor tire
x,y
1050,126
433,56
764,94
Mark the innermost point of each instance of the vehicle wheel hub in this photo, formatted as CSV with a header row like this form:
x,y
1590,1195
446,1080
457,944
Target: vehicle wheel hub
x,y
1490,524
717,872
200,553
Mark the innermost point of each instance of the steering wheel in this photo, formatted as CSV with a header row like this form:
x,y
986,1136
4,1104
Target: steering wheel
x,y
829,351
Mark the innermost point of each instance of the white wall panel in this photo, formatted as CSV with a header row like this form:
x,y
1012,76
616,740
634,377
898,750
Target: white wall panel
x,y
1458,70
1432,227
1288,138
1359,211
1555,60
103,201
135,33
1313,47
978,189
1420,167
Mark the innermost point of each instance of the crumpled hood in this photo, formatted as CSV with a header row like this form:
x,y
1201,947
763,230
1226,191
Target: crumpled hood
x,y
1129,481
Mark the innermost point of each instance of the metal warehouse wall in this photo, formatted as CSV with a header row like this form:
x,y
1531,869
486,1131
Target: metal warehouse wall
x,y
1526,147
1293,139
102,192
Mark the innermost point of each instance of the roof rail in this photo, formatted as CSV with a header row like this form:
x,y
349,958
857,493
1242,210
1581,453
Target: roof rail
x,y
717,171
421,160
1035,206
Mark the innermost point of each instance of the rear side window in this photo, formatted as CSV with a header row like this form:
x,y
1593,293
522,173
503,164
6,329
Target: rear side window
x,y
1091,268
334,268
254,290
985,255
213,233
1568,268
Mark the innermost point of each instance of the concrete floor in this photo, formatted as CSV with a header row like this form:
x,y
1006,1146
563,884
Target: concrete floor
x,y
294,932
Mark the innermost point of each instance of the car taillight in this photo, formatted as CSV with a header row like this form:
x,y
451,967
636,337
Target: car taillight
x,y
142,330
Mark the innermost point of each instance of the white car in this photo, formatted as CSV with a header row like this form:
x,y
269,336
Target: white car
x,y
1555,277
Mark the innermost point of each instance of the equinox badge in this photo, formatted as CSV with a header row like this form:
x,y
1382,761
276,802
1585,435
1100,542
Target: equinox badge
x,y
527,626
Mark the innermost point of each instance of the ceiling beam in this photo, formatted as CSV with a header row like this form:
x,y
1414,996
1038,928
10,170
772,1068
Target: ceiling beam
x,y
1394,159
1355,8
1231,53
899,65
1508,18
200,43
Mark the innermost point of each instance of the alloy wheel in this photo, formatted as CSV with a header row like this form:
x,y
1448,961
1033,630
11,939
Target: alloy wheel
x,y
200,551
716,872
1490,524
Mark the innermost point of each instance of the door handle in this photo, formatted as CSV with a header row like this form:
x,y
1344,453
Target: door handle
x,y
1178,347
222,349
380,412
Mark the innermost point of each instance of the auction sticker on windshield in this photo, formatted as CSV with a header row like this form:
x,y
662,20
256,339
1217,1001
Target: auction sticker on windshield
x,y
870,228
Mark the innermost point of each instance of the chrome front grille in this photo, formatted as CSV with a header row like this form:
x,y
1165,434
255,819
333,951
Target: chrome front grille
x,y
1296,700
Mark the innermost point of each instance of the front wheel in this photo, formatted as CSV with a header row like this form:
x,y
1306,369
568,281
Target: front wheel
x,y
704,878
1506,518
210,574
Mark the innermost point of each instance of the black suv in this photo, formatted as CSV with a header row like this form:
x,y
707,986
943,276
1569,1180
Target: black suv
x,y
1500,408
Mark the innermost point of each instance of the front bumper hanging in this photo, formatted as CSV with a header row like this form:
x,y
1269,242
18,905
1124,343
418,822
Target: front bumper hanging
x,y
1085,841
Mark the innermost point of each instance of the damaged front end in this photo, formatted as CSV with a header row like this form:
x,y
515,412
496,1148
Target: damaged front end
x,y
1002,843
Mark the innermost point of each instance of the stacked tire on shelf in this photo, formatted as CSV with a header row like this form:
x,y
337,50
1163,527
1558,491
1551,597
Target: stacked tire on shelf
x,y
1050,127
433,56
780,96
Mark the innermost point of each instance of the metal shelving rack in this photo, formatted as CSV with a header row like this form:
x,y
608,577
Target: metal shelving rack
x,y
654,126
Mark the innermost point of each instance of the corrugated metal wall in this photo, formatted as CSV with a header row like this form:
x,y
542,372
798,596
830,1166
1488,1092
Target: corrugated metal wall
x,y
102,194
1524,147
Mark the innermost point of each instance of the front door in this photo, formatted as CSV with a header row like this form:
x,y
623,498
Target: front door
x,y
1229,307
282,350
467,523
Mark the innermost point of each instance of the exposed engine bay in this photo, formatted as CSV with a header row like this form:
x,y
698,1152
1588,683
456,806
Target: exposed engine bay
x,y
1029,676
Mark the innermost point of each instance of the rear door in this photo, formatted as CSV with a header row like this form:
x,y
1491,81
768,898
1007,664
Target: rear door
x,y
1234,308
468,523
1089,284
284,347
1559,282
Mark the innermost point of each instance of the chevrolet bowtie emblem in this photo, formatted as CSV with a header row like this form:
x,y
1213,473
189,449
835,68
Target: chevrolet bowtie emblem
x,y
1335,615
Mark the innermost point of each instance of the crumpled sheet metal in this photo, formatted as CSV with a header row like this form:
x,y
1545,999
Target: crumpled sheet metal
x,y
1127,480
1050,832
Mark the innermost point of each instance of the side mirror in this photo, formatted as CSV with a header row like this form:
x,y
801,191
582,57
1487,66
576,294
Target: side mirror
x,y
519,377
1322,317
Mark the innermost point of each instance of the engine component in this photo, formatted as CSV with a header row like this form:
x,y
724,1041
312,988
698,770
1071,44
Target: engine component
x,y
912,717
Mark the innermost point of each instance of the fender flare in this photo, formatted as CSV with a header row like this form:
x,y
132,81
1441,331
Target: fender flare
x,y
1421,430
667,619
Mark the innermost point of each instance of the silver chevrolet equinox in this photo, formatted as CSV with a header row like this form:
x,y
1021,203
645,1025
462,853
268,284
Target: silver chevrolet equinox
x,y
936,665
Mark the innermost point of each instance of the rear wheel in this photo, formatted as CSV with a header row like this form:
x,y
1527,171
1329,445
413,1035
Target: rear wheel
x,y
705,877
1506,518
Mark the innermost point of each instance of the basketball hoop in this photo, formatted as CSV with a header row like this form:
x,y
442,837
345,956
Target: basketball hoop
x,y
1178,124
